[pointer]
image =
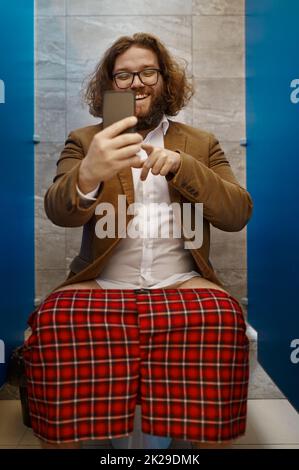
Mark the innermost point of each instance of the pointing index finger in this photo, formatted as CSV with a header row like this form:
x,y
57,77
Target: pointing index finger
x,y
148,148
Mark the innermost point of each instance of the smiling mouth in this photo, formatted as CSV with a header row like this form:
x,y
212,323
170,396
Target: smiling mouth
x,y
141,97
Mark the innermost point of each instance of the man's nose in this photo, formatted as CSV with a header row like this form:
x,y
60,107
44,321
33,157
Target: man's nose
x,y
137,83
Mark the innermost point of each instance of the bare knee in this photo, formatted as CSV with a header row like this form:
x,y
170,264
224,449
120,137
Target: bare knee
x,y
198,282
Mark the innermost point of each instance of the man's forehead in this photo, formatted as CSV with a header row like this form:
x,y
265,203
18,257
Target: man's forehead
x,y
136,56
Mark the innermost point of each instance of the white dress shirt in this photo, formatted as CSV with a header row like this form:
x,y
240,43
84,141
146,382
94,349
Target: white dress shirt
x,y
148,261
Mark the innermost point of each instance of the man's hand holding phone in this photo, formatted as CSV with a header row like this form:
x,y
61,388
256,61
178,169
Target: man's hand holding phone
x,y
110,152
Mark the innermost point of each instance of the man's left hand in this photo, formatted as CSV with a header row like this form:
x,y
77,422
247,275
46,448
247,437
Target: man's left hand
x,y
161,161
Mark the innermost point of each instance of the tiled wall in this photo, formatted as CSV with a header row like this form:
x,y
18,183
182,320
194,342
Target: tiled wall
x,y
71,36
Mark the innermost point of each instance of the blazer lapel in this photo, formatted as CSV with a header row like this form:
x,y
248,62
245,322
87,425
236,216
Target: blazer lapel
x,y
126,179
174,140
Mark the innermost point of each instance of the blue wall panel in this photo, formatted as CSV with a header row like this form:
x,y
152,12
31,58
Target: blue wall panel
x,y
272,102
17,172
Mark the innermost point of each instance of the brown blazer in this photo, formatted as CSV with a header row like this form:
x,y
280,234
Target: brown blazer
x,y
204,176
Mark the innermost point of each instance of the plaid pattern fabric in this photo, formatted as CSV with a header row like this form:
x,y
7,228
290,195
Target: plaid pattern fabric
x,y
92,352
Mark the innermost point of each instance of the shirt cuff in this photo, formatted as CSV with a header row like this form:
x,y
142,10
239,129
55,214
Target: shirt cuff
x,y
89,196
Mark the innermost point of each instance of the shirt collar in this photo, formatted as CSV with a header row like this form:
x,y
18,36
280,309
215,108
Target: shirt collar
x,y
162,126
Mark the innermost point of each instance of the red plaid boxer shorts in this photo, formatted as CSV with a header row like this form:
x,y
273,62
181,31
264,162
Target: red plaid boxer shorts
x,y
96,353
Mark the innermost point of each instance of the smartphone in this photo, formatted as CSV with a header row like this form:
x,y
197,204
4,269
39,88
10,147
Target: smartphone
x,y
118,105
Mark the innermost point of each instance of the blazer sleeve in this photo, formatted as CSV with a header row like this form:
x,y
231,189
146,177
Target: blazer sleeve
x,y
226,205
62,202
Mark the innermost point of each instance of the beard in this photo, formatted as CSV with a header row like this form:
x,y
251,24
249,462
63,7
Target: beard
x,y
154,115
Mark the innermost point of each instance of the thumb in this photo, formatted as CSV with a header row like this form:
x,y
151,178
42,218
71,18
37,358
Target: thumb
x,y
148,148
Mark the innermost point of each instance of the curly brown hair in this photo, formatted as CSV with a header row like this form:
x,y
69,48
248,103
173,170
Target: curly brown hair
x,y
177,89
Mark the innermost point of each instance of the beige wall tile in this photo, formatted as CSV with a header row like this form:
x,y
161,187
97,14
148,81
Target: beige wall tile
x,y
50,250
83,53
236,155
218,107
218,46
234,280
130,8
218,7
48,279
73,238
185,115
46,156
50,47
50,7
50,110
43,225
81,117
228,249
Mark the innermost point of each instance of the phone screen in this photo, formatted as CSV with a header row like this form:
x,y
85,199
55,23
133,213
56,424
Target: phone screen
x,y
118,105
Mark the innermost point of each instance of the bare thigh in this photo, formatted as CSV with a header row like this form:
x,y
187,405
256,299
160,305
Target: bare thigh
x,y
80,285
197,282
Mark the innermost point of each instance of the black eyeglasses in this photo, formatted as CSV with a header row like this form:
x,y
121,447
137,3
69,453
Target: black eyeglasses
x,y
147,77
